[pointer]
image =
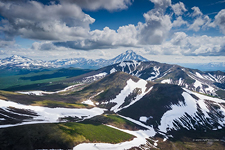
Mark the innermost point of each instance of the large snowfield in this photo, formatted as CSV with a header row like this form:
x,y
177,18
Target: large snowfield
x,y
178,112
50,115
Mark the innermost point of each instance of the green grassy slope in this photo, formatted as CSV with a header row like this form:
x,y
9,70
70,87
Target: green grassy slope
x,y
117,121
58,136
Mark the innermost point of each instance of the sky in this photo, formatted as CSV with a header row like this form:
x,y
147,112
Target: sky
x,y
169,31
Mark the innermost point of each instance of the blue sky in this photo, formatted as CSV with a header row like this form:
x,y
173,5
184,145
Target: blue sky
x,y
134,13
162,30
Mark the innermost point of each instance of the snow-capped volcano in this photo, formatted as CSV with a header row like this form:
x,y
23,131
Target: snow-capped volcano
x,y
128,55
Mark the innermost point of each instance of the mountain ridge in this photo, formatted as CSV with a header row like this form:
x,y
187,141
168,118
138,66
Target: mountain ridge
x,y
204,82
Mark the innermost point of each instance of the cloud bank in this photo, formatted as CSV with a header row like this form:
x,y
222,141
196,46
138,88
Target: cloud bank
x,y
63,25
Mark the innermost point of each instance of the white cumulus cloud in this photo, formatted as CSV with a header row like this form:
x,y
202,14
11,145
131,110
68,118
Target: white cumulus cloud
x,y
199,45
220,20
196,11
44,22
182,44
196,26
161,3
155,29
93,5
179,22
201,21
179,8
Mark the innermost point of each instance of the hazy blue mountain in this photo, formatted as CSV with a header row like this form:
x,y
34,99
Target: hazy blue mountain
x,y
214,66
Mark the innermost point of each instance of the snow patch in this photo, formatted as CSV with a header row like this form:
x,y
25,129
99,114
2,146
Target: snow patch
x,y
140,124
122,64
129,88
208,90
112,70
143,119
88,102
41,93
213,77
95,77
180,82
216,100
203,107
198,84
156,73
138,98
38,93
69,88
169,81
199,75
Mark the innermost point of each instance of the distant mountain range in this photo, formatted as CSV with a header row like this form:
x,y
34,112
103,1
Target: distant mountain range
x,y
213,66
21,62
98,63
